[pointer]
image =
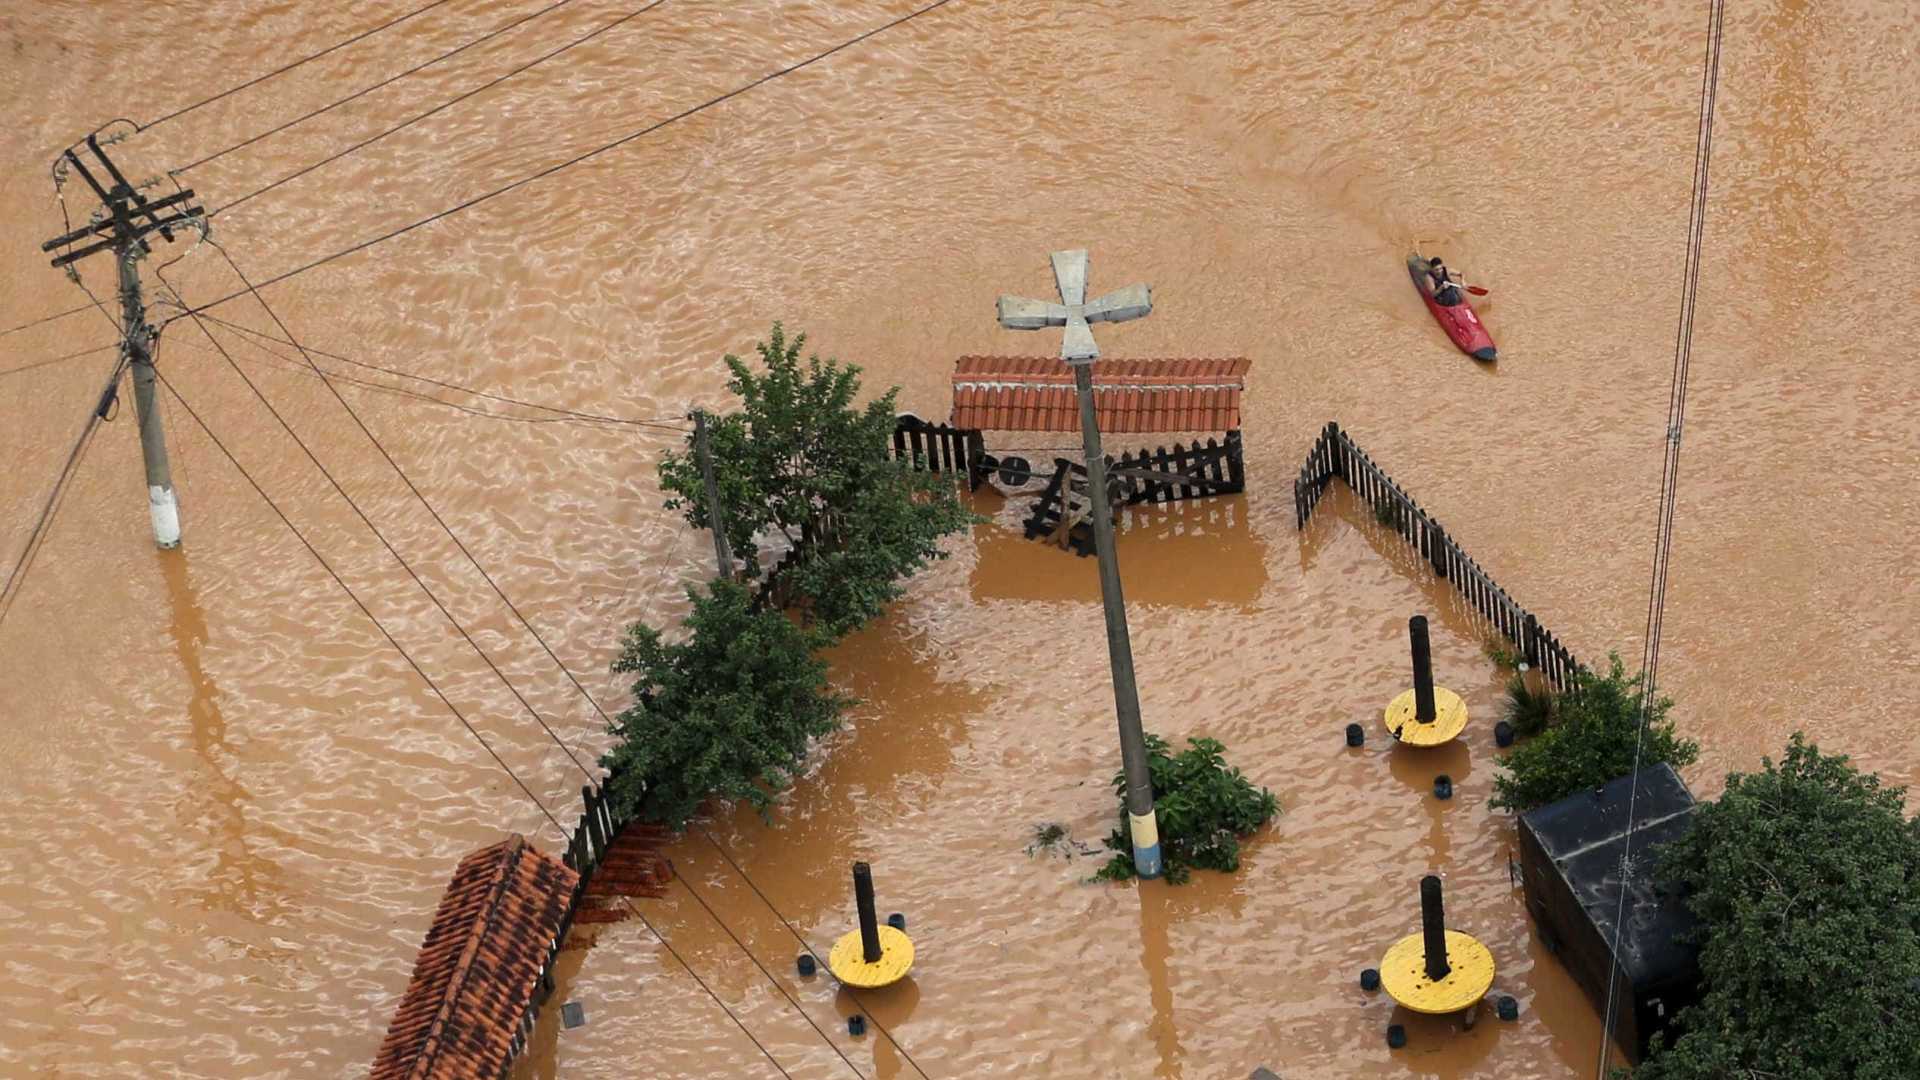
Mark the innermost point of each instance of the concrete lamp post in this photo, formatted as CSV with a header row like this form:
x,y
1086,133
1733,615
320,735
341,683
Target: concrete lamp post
x,y
1078,349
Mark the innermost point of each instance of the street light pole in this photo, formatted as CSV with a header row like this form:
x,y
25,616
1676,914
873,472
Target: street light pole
x,y
1077,348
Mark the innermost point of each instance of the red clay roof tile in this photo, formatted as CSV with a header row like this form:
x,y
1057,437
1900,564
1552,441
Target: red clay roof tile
x,y
1033,393
476,973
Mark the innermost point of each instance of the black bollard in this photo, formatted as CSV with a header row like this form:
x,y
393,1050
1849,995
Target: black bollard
x,y
1396,1036
1369,980
1423,707
1508,1008
869,922
1433,924
1503,734
856,1025
1356,735
1443,786
897,920
805,964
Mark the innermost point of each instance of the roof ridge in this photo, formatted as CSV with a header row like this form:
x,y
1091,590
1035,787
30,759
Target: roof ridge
x,y
477,931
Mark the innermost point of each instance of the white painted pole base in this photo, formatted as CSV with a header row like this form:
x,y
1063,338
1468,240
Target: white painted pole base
x,y
165,509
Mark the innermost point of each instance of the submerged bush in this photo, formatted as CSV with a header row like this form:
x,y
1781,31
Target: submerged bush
x,y
1202,806
1530,711
1496,650
728,712
1590,742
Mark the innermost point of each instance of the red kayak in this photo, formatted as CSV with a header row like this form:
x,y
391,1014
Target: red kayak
x,y
1458,320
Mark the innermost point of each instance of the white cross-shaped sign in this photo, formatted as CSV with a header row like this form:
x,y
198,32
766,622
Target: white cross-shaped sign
x,y
1074,313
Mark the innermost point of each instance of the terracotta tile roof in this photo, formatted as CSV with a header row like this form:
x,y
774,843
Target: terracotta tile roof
x,y
476,974
1131,397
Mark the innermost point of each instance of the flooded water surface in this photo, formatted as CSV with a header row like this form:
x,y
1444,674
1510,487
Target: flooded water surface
x,y
230,805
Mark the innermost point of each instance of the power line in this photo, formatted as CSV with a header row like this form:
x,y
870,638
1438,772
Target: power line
x,y
16,577
443,106
575,160
449,54
61,359
691,891
561,415
378,625
297,366
657,936
391,550
258,79
42,320
1669,483
852,991
435,514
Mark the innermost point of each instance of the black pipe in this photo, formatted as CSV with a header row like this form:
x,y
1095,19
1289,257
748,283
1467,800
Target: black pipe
x,y
869,921
1433,925
1423,707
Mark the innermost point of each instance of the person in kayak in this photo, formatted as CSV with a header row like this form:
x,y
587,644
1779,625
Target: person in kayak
x,y
1446,292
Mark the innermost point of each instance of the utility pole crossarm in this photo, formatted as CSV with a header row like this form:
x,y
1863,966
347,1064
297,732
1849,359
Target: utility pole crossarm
x,y
108,224
185,217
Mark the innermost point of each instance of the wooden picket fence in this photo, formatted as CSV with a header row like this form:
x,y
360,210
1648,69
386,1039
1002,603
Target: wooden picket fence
x,y
1142,476
941,448
587,851
1334,455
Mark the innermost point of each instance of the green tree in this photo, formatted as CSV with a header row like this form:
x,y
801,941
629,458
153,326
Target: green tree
x,y
727,713
1806,879
801,460
1590,742
1202,807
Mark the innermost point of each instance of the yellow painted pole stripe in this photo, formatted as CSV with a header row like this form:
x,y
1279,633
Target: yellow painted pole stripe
x,y
1146,830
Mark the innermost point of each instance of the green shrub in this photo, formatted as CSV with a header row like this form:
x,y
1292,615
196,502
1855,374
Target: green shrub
x,y
1530,711
1806,879
727,713
1202,806
1590,743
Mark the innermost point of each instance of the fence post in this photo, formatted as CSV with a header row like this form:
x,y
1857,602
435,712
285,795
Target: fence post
x,y
591,820
1236,468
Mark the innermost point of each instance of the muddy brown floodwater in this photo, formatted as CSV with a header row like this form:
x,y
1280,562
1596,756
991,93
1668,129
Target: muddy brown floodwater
x,y
229,807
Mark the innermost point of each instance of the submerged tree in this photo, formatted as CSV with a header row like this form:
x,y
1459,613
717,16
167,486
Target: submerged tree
x,y
1591,740
801,460
727,713
1806,879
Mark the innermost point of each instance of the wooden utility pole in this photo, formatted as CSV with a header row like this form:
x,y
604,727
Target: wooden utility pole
x,y
716,517
1077,348
128,220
